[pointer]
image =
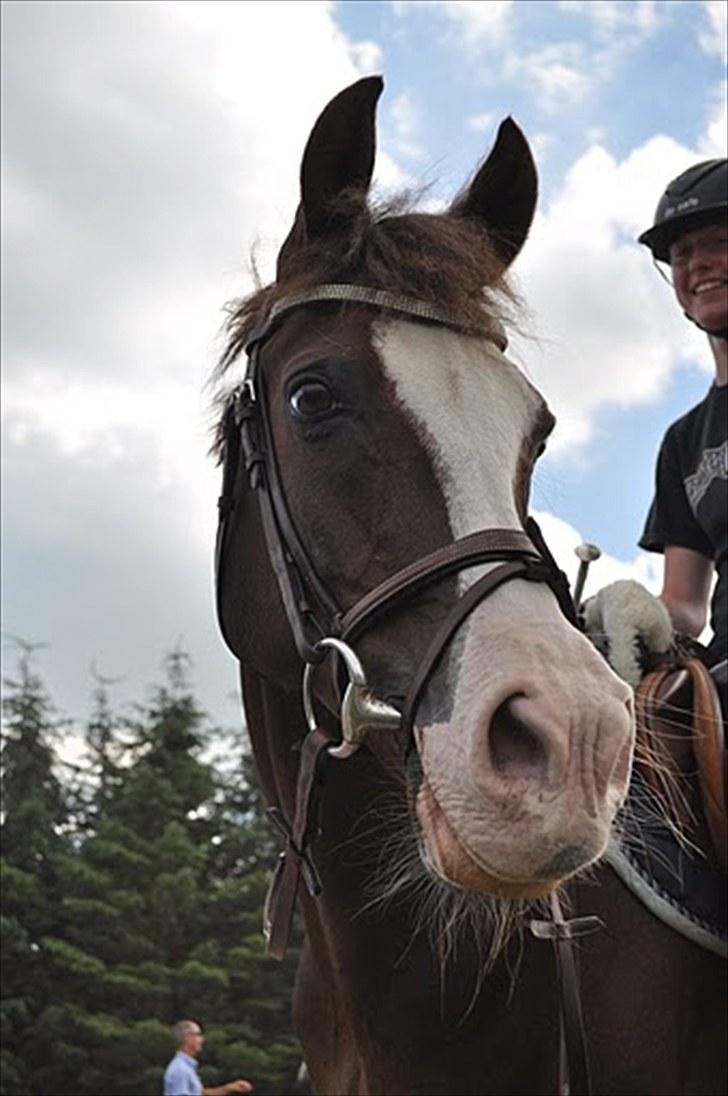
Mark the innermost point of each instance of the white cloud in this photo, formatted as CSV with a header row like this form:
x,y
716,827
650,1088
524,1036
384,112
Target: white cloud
x,y
109,562
407,125
540,144
713,37
478,24
713,143
560,72
566,72
556,72
159,143
612,19
609,332
481,123
644,567
562,538
368,57
139,171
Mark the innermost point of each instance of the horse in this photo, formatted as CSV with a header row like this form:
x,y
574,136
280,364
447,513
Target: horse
x,y
458,750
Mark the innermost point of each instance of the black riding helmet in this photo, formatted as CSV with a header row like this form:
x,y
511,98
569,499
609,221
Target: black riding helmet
x,y
696,198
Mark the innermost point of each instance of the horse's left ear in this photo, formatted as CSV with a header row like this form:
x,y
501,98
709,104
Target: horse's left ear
x,y
339,156
502,196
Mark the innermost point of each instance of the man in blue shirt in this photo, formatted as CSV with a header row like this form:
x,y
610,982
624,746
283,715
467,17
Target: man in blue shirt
x,y
181,1077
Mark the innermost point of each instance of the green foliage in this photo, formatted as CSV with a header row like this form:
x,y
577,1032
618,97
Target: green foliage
x,y
132,894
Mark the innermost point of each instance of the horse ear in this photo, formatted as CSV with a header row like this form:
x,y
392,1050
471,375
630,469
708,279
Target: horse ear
x,y
503,193
339,155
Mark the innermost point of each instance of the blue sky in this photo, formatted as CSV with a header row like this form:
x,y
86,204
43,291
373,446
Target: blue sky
x,y
149,146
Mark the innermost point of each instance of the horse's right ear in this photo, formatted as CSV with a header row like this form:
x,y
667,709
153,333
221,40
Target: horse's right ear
x,y
502,196
339,155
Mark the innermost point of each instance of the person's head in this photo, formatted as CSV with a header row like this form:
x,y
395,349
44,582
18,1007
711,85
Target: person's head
x,y
691,235
188,1037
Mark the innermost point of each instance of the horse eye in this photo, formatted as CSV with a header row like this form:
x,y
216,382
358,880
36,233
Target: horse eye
x,y
311,398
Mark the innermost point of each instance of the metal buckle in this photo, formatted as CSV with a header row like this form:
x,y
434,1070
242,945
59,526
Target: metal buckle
x,y
245,401
361,711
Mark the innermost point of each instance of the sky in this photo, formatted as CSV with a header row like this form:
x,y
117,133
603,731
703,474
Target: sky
x,y
149,147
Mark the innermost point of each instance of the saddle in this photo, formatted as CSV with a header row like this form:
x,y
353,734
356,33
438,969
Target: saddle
x,y
669,847
681,751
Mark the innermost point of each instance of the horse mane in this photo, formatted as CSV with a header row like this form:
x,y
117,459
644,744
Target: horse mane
x,y
441,258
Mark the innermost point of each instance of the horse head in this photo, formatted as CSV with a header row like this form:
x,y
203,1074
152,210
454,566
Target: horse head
x,y
397,426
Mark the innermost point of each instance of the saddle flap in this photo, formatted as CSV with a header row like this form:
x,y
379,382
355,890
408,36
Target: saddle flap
x,y
680,732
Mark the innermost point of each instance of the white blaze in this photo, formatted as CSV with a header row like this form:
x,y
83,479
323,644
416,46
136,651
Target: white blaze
x,y
472,409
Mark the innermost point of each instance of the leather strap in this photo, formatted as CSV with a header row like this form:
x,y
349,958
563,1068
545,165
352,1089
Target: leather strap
x,y
574,1076
558,581
310,607
295,860
305,597
480,547
226,505
534,570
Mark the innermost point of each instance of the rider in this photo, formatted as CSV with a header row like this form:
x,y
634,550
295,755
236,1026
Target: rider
x,y
687,519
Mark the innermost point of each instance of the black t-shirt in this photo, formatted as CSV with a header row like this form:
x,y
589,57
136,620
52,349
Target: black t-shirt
x,y
690,503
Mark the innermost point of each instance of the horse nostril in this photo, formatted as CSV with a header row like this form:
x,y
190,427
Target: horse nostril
x,y
515,750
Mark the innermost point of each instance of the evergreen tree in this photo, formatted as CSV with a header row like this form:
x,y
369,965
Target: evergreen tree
x,y
256,1011
131,897
105,745
158,892
35,849
134,899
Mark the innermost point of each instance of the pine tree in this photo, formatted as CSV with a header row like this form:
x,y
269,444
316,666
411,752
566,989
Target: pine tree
x,y
131,899
35,850
158,882
105,745
255,1015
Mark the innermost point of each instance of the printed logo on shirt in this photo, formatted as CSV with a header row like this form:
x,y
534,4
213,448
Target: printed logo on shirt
x,y
714,465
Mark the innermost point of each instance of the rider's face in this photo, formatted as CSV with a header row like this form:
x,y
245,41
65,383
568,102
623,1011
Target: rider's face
x,y
699,262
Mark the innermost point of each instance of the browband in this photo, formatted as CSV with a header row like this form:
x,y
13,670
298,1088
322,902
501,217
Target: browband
x,y
379,298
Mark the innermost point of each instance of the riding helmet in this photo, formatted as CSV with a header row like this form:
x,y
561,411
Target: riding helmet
x,y
697,197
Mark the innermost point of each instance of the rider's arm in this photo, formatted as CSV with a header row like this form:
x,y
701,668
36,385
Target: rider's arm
x,y
686,589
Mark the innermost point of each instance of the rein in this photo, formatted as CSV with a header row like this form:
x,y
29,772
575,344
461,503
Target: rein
x,y
318,626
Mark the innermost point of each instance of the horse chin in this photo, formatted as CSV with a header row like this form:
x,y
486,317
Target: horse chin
x,y
454,863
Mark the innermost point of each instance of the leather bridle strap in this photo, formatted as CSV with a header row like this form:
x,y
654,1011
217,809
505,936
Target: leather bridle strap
x,y
574,1075
305,598
311,609
295,861
297,578
533,569
477,548
517,554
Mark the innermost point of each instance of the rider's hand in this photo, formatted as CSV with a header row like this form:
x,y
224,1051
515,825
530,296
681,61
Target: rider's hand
x,y
623,619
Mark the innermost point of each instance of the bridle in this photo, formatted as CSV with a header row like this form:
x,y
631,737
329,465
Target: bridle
x,y
319,625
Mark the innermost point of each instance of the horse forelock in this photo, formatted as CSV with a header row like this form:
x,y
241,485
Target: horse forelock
x,y
440,258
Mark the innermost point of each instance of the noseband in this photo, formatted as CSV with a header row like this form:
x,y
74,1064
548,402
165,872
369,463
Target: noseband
x,y
318,624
